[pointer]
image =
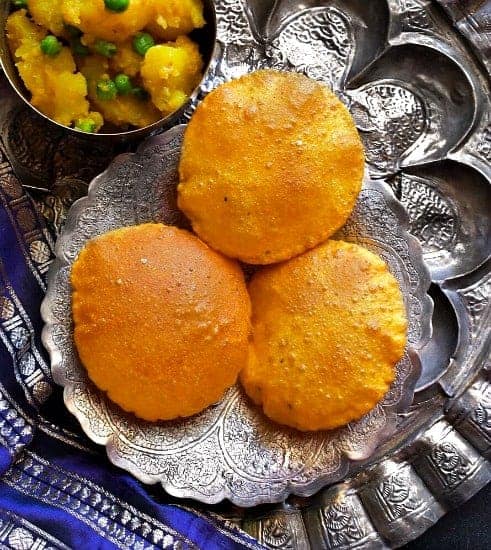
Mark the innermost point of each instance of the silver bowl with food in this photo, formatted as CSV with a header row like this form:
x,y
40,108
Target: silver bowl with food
x,y
120,68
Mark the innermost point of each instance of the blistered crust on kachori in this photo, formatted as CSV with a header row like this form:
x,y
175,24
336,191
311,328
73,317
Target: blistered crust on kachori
x,y
328,330
271,166
162,322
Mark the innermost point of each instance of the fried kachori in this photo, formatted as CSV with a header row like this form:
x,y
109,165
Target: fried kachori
x,y
162,322
271,166
328,329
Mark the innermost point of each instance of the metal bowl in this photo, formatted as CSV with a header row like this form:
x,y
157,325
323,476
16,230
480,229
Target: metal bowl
x,y
206,38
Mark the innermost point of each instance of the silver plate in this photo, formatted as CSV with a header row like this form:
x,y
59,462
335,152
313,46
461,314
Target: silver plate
x,y
434,143
230,451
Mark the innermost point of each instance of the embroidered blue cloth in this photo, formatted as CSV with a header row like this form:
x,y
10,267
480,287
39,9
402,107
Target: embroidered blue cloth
x,y
58,490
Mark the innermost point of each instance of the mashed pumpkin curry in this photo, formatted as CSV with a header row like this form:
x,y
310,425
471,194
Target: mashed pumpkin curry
x,y
88,62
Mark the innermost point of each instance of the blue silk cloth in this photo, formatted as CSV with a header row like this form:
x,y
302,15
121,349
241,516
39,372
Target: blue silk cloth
x,y
57,489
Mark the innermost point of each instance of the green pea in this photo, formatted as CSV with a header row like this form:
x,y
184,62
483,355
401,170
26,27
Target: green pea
x,y
123,84
78,48
105,48
142,42
51,45
106,89
20,3
86,125
140,93
117,5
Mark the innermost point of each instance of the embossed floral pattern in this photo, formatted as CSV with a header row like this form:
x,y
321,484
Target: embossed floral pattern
x,y
229,450
343,526
451,466
391,119
401,124
318,42
276,534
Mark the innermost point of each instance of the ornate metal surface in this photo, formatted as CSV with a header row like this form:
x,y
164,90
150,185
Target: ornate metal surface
x,y
421,100
230,450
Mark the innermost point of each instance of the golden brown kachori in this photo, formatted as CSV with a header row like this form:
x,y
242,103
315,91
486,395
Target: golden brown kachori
x,y
271,166
329,327
162,322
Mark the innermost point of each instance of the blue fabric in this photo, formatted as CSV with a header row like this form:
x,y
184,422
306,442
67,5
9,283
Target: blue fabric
x,y
57,489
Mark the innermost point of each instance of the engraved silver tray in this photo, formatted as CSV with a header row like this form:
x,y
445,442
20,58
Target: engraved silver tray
x,y
420,96
230,451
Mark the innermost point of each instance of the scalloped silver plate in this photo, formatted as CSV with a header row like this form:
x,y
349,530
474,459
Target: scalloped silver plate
x,y
230,451
421,101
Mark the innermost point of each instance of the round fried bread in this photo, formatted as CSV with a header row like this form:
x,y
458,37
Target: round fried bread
x,y
328,329
271,166
161,321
